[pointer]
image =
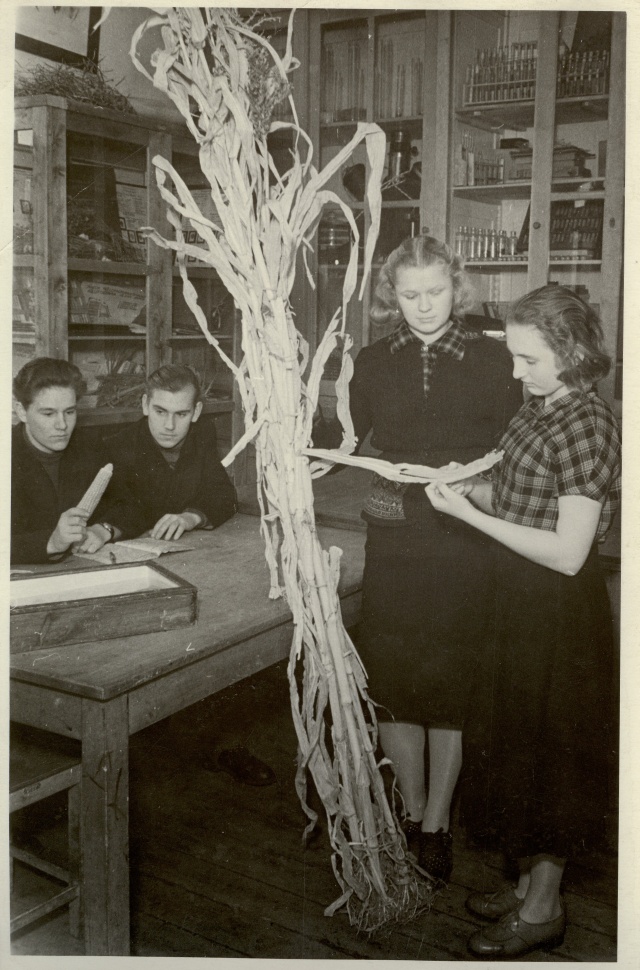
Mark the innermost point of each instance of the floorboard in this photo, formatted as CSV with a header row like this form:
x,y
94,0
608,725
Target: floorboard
x,y
218,869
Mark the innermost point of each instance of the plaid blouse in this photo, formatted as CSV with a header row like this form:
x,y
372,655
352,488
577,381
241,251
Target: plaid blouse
x,y
570,447
452,343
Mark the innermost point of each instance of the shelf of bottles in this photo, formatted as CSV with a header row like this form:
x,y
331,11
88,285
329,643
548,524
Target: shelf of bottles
x,y
488,245
506,73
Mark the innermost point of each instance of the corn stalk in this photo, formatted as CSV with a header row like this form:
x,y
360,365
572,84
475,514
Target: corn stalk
x,y
226,78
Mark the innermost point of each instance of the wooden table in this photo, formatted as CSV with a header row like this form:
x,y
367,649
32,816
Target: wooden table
x,y
102,692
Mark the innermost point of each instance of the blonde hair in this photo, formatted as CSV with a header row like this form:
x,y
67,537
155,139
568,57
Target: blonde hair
x,y
419,252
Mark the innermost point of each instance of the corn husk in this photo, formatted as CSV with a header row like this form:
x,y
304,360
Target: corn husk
x,y
402,471
226,79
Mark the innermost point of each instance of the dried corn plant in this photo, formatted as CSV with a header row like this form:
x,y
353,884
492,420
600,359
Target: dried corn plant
x,y
226,79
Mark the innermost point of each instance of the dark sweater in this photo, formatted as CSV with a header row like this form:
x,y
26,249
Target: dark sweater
x,y
469,404
36,504
197,481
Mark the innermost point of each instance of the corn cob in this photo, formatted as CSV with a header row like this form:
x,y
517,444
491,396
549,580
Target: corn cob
x,y
90,499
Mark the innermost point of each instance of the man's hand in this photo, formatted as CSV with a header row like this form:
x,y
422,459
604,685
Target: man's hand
x,y
95,538
71,527
172,525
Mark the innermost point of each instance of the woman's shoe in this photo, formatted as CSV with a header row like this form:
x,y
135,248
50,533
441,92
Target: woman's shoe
x,y
494,905
435,854
412,831
513,936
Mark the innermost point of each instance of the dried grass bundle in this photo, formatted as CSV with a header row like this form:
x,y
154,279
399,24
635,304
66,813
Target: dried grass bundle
x,y
87,85
226,79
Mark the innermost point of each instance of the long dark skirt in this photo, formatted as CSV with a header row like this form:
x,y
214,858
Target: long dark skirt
x,y
426,607
536,742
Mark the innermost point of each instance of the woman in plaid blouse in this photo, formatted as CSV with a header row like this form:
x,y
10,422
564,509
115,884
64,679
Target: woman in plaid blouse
x,y
537,779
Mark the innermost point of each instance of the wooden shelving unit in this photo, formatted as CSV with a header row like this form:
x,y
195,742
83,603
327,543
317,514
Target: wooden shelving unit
x,y
81,176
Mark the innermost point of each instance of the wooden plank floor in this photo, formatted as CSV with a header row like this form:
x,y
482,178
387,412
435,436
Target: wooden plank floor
x,y
218,869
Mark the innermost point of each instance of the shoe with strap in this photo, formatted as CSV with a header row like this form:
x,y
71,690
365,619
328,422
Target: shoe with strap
x,y
495,905
512,937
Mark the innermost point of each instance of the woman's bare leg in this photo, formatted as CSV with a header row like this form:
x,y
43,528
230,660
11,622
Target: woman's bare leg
x,y
445,761
403,744
540,885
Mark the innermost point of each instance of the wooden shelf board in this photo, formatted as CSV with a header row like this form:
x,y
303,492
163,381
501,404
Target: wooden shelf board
x,y
496,264
110,267
519,115
200,336
494,193
105,337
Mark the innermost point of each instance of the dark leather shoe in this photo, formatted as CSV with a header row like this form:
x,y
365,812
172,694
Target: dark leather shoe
x,y
513,936
494,905
435,854
412,831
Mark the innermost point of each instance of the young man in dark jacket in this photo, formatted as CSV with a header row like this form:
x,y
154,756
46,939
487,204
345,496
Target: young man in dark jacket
x,y
52,465
169,463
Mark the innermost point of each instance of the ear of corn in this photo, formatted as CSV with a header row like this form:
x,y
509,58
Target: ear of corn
x,y
90,499
226,79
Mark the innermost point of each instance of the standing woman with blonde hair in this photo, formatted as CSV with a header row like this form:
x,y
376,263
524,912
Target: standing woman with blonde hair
x,y
431,393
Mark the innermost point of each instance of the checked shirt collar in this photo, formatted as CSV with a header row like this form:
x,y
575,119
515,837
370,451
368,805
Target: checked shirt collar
x,y
452,342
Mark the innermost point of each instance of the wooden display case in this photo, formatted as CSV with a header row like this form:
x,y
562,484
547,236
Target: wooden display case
x,y
418,73
87,284
555,83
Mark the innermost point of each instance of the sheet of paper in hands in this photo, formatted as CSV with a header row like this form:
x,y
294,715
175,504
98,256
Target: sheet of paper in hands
x,y
405,472
133,550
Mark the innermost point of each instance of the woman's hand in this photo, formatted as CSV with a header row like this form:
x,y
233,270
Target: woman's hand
x,y
449,499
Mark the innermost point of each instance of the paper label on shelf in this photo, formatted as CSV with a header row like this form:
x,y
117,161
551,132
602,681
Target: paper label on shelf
x,y
132,212
104,304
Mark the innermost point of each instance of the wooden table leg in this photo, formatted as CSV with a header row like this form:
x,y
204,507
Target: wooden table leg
x,y
105,826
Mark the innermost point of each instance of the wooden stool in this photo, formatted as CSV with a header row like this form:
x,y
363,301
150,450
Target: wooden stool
x,y
42,764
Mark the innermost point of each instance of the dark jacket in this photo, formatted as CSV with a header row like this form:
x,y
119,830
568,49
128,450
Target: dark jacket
x,y
35,507
197,482
469,404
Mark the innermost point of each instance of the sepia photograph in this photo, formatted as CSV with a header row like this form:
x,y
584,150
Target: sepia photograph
x,y
315,571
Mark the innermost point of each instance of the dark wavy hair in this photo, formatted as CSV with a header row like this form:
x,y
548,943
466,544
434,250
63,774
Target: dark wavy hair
x,y
419,252
174,378
570,328
42,373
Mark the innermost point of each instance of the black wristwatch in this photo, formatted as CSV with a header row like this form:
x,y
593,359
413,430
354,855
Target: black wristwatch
x,y
110,529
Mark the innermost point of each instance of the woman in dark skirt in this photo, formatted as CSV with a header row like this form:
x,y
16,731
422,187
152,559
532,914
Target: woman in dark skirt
x,y
536,757
432,392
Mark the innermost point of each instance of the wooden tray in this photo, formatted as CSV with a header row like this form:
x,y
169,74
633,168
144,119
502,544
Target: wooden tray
x,y
78,606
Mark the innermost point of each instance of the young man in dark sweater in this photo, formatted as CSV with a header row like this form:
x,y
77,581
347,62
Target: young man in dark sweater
x,y
52,465
169,463
169,460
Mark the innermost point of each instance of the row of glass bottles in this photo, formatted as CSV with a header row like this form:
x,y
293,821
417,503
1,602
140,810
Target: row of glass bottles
x,y
477,243
477,168
502,74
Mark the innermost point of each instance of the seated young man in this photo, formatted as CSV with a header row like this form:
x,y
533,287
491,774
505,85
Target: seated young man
x,y
169,460
169,463
52,465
